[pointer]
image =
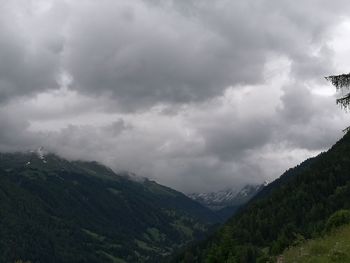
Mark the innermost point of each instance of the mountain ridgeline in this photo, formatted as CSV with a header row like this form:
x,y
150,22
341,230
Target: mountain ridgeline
x,y
295,207
225,203
54,210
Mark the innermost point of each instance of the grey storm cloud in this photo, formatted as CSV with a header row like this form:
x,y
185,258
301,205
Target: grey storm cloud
x,y
230,136
175,52
29,52
198,95
14,135
306,120
144,53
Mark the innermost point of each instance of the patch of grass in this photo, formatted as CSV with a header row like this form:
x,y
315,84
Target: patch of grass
x,y
114,191
179,225
334,247
155,234
94,235
144,245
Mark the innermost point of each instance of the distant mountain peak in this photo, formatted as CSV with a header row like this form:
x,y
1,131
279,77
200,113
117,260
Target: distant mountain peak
x,y
228,197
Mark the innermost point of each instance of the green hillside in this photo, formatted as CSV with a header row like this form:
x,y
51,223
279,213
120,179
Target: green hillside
x,y
54,210
294,207
334,247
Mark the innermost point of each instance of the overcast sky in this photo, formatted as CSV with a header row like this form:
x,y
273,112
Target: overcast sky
x,y
199,95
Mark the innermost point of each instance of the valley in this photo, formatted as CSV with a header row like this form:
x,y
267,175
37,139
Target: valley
x,y
53,209
295,206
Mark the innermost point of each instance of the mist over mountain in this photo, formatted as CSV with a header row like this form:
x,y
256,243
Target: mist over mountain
x,y
54,210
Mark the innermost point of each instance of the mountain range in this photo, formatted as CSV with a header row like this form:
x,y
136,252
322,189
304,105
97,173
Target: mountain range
x,y
55,210
228,197
225,203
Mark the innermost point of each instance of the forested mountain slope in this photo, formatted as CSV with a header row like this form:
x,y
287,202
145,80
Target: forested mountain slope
x,y
54,210
295,206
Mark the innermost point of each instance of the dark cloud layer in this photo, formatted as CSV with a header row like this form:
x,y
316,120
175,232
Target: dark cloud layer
x,y
148,52
176,52
29,51
198,95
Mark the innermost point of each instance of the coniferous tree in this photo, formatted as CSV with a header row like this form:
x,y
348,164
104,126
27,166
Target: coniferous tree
x,y
342,82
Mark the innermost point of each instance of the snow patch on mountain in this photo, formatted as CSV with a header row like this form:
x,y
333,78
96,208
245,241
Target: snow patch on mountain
x,y
228,197
40,153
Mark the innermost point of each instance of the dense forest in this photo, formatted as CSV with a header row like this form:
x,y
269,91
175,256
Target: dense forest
x,y
295,207
54,210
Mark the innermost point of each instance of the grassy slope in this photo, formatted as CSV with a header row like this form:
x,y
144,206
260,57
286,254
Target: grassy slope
x,y
334,247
